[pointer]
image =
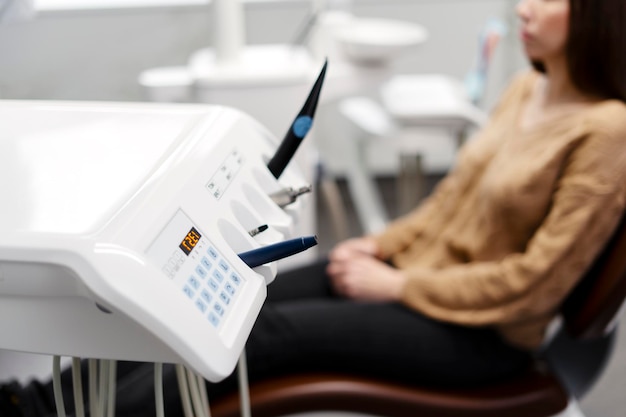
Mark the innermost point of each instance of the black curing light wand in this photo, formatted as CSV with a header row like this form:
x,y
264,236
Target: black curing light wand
x,y
298,129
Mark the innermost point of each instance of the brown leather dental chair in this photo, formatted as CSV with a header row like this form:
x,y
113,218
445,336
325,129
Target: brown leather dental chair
x,y
561,375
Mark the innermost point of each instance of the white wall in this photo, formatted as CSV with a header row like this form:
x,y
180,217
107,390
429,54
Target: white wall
x,y
98,55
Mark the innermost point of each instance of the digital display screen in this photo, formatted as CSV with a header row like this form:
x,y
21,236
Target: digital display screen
x,y
190,241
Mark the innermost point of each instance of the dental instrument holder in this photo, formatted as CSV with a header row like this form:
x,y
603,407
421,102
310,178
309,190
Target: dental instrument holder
x,y
121,228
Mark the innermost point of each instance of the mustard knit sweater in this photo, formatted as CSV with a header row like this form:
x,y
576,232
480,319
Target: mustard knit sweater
x,y
509,232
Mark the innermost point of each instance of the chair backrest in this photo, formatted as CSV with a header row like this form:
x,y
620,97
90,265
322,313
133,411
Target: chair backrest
x,y
592,308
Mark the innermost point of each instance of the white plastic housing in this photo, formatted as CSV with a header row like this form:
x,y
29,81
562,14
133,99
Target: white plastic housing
x,y
98,200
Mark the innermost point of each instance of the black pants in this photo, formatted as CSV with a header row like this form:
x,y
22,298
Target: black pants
x,y
304,327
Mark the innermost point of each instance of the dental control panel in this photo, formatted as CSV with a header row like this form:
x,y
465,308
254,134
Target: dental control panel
x,y
120,237
197,268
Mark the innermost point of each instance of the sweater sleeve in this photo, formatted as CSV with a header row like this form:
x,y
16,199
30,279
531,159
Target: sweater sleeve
x,y
586,207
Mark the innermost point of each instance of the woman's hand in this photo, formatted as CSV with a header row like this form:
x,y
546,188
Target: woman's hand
x,y
351,248
366,278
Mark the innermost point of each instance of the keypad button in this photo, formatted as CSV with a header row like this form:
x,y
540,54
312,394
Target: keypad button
x,y
201,306
223,265
212,252
235,278
187,290
215,321
193,282
229,288
206,296
213,285
225,298
218,276
201,271
206,263
219,309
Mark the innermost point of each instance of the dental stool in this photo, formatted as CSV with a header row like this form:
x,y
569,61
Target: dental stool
x,y
563,372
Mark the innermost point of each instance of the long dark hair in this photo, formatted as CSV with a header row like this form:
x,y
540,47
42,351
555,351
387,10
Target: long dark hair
x,y
596,47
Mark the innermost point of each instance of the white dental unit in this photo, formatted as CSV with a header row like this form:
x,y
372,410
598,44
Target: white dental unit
x,y
120,227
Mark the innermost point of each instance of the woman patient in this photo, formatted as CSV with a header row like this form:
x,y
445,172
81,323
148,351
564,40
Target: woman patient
x,y
461,291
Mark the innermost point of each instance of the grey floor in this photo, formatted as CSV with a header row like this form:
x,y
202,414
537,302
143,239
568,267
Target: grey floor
x,y
607,398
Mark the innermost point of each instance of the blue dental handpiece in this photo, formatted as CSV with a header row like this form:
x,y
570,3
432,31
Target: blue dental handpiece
x,y
276,251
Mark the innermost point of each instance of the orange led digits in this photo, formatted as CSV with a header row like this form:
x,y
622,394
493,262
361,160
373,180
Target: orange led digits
x,y
190,241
